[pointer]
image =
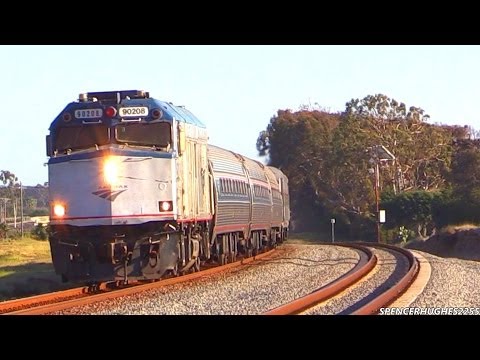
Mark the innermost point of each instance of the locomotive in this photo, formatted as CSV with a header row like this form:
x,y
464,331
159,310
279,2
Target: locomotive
x,y
137,193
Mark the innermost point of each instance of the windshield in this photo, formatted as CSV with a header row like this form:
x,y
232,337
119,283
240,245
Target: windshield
x,y
81,137
147,134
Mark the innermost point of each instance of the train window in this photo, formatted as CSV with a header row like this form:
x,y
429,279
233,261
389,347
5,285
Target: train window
x,y
146,134
81,137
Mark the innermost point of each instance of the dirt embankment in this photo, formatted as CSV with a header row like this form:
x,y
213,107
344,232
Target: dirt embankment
x,y
456,243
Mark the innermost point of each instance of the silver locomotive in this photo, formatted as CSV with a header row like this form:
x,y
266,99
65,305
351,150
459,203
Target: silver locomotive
x,y
137,193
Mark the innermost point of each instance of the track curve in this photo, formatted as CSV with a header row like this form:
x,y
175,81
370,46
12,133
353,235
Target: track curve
x,y
36,305
367,262
355,276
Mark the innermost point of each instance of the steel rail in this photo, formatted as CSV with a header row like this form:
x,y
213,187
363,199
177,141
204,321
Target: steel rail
x,y
92,298
17,304
389,296
331,289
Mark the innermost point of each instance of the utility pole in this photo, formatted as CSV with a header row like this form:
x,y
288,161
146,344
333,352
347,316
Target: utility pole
x,y
377,200
4,210
333,229
378,153
21,209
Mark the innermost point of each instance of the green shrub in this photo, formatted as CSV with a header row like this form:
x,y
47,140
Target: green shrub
x,y
3,230
40,232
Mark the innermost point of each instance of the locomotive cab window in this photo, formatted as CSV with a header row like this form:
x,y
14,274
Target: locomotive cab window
x,y
157,134
80,137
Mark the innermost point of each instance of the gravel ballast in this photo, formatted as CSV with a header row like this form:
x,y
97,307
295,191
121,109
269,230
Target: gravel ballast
x,y
251,289
453,283
297,271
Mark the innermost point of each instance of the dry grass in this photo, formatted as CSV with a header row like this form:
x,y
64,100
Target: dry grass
x,y
312,238
454,228
454,241
21,251
26,269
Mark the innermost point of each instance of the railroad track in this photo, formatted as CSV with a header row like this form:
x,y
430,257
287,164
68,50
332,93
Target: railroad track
x,y
61,300
367,265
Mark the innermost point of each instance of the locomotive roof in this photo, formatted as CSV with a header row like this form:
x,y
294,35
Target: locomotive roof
x,y
125,98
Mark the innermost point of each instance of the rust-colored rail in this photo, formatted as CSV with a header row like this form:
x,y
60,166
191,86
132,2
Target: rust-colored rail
x,y
92,298
37,300
331,289
395,291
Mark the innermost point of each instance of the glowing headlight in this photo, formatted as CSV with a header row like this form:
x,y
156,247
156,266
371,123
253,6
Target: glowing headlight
x,y
166,205
59,210
110,171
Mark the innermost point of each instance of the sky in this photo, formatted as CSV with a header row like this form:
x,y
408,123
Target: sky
x,y
235,90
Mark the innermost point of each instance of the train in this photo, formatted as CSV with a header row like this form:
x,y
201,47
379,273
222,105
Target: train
x,y
137,193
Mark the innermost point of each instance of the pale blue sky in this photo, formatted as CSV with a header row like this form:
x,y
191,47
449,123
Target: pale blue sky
x,y
234,90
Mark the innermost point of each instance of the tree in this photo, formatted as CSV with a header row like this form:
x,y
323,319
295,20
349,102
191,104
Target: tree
x,y
299,143
381,107
10,181
30,203
8,178
466,169
422,150
325,157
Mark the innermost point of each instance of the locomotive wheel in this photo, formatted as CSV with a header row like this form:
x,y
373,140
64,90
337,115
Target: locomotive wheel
x,y
222,259
175,270
196,265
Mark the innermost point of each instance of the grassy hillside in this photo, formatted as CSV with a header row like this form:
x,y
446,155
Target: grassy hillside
x,y
26,269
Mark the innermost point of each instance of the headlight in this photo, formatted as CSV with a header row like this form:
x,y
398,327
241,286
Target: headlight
x,y
165,206
58,210
110,171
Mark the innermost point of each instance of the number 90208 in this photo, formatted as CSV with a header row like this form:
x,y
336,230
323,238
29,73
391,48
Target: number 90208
x,y
133,111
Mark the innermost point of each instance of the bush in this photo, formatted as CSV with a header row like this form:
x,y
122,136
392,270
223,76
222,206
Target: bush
x,y
453,209
14,233
3,230
40,232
